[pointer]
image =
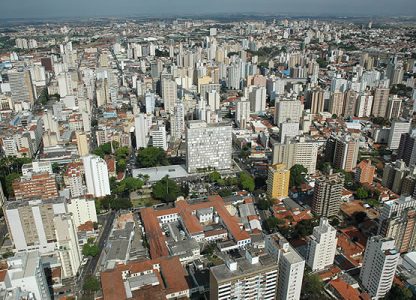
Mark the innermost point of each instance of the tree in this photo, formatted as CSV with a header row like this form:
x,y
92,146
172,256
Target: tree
x,y
272,223
360,216
127,185
8,188
55,167
312,287
334,222
151,157
214,176
90,250
297,175
264,204
303,228
120,203
166,190
246,181
121,165
91,284
361,193
397,292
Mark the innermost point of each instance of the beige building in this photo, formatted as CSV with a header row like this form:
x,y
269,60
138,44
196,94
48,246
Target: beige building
x,y
278,181
82,144
327,195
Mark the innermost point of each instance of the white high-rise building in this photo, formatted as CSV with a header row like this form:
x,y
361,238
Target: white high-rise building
x,y
398,127
159,137
379,266
257,99
169,94
178,121
25,277
287,110
213,99
96,176
208,145
141,130
150,103
291,267
322,246
242,113
288,130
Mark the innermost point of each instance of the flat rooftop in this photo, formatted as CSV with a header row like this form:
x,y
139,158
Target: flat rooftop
x,y
157,173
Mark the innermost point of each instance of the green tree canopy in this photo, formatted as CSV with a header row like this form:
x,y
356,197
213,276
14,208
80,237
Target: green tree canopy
x,y
396,292
151,157
214,176
361,193
297,175
91,284
312,287
246,181
90,249
166,190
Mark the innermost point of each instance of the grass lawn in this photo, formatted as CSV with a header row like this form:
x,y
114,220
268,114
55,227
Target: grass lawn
x,y
144,202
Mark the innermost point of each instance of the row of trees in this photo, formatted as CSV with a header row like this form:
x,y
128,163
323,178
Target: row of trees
x,y
10,169
244,180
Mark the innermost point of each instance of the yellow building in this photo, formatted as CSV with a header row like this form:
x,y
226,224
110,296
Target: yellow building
x,y
278,181
203,80
82,144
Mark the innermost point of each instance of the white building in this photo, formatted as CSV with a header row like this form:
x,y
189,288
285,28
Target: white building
x,y
96,176
242,113
178,121
37,167
169,94
25,277
141,130
208,145
159,138
397,128
150,102
289,130
291,266
379,266
322,246
213,99
82,210
287,109
257,98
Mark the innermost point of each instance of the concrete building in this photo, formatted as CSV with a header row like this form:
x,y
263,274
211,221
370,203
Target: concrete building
x,y
242,113
96,176
240,278
322,246
398,127
278,181
35,186
290,265
336,103
393,175
208,145
178,121
342,152
73,179
327,195
379,266
169,94
394,107
365,172
25,277
350,103
21,86
287,109
141,130
288,129
82,210
257,98
82,144
407,149
213,99
316,100
37,167
380,101
402,229
159,137
296,151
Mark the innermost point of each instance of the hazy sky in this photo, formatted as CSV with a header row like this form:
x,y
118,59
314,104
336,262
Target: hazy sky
x,y
83,8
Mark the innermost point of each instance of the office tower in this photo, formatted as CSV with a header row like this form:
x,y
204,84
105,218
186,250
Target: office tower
x,y
242,113
317,102
21,86
393,175
350,103
96,176
213,100
178,121
240,278
288,130
365,172
257,98
150,102
327,195
290,265
380,101
82,143
169,94
394,107
402,229
159,137
73,179
294,152
278,181
342,152
407,149
288,110
398,127
54,232
336,103
25,278
141,130
379,266
208,145
36,185
322,246
364,104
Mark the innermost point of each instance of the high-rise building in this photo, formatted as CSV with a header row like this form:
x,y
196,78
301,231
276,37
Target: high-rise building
x,y
36,185
381,98
21,86
213,99
322,246
242,113
336,103
393,208
54,232
342,152
398,127
402,229
364,105
25,278
82,143
159,137
287,109
141,130
350,103
257,98
169,94
327,195
296,151
241,278
407,149
394,107
317,102
288,130
365,172
73,179
379,266
208,145
393,175
290,265
278,181
96,176
150,102
178,121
